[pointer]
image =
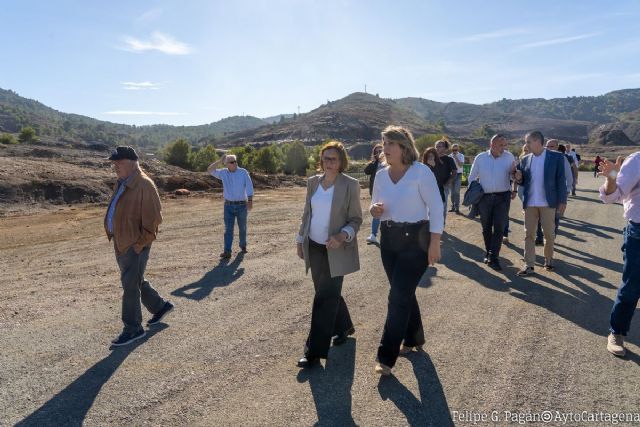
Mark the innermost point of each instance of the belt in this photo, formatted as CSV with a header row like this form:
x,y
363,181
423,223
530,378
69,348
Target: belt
x,y
497,192
392,224
235,202
634,223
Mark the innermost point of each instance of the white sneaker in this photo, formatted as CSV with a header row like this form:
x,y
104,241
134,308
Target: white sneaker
x,y
372,238
615,345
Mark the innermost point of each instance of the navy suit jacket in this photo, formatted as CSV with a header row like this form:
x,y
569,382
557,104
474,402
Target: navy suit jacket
x,y
555,184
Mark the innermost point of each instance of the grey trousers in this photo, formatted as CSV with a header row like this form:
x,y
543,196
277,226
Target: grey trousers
x,y
136,288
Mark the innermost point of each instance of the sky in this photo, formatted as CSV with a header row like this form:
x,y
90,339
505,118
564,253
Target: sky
x,y
195,62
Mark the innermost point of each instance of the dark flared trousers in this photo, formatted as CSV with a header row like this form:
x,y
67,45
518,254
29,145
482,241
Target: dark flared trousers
x,y
329,315
404,257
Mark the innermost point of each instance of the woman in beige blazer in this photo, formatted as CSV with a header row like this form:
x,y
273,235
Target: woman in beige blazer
x,y
327,243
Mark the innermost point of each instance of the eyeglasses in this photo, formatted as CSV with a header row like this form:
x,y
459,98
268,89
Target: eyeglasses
x,y
231,162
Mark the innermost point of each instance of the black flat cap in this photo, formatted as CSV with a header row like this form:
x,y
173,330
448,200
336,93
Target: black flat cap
x,y
123,152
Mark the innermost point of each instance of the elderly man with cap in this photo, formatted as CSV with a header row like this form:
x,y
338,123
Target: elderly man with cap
x,y
238,200
132,222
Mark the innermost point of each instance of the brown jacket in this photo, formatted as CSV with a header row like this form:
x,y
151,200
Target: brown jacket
x,y
137,214
345,210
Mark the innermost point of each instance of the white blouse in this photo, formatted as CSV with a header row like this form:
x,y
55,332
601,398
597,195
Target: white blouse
x,y
321,202
414,198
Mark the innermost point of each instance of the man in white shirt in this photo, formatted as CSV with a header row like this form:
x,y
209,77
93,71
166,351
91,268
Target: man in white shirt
x,y
494,169
541,172
458,158
576,162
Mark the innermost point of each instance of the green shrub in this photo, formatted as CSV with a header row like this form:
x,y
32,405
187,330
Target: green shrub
x,y
296,161
266,160
203,157
178,153
27,134
7,138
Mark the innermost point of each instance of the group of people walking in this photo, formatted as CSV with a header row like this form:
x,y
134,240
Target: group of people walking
x,y
409,197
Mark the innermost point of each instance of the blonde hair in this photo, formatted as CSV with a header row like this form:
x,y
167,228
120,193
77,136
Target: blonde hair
x,y
402,137
342,155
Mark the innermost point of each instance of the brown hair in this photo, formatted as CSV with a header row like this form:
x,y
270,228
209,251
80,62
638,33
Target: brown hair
x,y
342,155
434,152
373,150
402,137
445,141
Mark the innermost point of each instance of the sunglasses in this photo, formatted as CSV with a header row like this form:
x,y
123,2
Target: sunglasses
x,y
232,162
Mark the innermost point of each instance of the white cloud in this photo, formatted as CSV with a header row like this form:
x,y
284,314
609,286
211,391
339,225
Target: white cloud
x,y
143,113
559,40
507,32
161,42
140,86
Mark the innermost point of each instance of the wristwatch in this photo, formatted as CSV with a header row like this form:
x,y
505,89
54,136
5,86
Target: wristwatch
x,y
613,174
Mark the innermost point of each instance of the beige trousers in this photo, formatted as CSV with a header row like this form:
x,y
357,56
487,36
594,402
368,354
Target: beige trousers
x,y
548,217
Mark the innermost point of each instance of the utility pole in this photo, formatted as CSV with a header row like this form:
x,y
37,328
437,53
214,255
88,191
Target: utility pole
x,y
298,110
365,88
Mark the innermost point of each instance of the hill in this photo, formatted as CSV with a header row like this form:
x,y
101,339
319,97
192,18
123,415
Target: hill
x,y
16,112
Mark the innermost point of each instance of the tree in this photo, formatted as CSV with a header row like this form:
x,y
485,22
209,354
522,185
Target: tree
x,y
27,134
296,161
202,158
266,160
244,155
178,153
7,138
426,141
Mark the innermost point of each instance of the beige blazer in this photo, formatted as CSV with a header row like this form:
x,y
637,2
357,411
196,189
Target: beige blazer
x,y
345,210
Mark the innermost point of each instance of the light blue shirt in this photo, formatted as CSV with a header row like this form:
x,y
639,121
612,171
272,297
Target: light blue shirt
x,y
493,173
122,184
236,186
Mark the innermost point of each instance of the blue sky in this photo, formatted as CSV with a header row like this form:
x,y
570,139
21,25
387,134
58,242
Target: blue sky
x,y
195,62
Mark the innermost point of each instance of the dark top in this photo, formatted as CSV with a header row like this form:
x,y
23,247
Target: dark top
x,y
371,169
443,171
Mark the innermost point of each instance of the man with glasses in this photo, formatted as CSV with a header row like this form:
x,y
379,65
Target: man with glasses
x,y
458,158
238,200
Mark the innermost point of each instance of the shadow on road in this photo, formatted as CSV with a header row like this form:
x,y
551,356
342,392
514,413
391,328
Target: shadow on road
x,y
70,406
431,409
221,275
331,385
584,306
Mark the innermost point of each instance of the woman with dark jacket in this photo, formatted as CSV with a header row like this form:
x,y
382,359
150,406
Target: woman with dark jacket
x,y
327,243
371,169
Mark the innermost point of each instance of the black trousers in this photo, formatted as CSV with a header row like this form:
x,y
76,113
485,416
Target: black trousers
x,y
329,315
494,215
404,258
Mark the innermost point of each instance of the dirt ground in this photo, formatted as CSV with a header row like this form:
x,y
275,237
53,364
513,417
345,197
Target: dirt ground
x,y
226,355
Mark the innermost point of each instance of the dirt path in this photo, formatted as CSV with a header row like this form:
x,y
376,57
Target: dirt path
x,y
495,342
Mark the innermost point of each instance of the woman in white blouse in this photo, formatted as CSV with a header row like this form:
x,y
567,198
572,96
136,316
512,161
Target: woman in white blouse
x,y
327,242
407,201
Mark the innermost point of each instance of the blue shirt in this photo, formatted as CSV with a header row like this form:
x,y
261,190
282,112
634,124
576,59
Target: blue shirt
x,y
122,183
236,186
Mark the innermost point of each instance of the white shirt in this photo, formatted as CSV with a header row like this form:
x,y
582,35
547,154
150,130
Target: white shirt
x,y
537,195
493,173
321,202
460,157
574,156
414,198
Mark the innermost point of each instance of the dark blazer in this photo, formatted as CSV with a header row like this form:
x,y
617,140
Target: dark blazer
x,y
555,183
371,169
345,210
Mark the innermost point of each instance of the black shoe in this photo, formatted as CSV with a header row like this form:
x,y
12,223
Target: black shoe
x,y
127,338
456,210
525,271
495,264
451,210
486,260
308,362
342,337
166,309
225,255
243,249
539,242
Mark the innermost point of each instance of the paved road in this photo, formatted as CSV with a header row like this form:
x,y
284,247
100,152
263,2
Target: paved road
x,y
495,342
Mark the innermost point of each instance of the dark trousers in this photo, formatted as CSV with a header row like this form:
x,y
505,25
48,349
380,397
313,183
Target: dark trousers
x,y
494,215
329,315
629,292
404,258
135,288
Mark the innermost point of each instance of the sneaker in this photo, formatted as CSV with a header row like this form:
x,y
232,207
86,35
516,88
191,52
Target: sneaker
x,y
525,271
243,249
372,238
308,362
505,240
225,255
548,266
166,309
451,210
128,337
615,345
382,369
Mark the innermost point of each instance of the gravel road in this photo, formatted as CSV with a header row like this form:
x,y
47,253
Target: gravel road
x,y
498,346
